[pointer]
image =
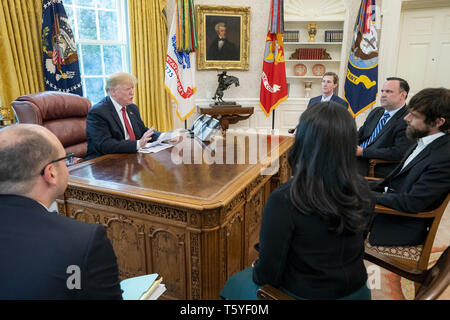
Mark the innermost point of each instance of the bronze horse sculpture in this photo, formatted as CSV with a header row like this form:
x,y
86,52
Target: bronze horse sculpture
x,y
225,81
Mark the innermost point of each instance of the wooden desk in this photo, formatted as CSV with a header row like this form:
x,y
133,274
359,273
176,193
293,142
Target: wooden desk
x,y
195,224
228,114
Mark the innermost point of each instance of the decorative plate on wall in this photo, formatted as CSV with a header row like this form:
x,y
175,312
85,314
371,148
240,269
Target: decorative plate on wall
x,y
300,69
318,69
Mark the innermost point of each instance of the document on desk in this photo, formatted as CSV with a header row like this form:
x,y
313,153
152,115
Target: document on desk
x,y
154,147
161,143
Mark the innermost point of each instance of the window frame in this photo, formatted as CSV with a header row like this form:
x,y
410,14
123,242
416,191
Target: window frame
x,y
123,41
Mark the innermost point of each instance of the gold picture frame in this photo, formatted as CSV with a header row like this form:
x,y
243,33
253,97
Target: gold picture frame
x,y
233,52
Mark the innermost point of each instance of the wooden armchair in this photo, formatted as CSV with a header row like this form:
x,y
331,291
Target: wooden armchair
x,y
374,162
433,281
267,292
409,259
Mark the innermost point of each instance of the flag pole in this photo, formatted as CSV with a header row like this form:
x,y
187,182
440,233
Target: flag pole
x,y
273,119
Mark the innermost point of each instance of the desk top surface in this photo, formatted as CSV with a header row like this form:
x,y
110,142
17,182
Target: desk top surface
x,y
179,174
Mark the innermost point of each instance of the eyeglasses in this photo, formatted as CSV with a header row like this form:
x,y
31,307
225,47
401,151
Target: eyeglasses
x,y
68,158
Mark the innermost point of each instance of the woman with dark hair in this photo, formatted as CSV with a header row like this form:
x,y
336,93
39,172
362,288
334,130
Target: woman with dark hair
x,y
313,226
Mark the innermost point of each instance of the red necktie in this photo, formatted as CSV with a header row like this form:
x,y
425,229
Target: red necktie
x,y
127,124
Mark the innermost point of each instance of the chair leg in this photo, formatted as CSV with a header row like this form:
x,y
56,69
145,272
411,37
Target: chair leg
x,y
416,288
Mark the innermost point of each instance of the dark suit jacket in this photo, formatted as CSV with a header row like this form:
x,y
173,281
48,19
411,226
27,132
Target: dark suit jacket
x,y
227,52
422,185
390,144
38,246
105,132
334,98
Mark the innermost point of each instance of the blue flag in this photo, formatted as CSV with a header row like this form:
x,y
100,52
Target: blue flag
x,y
61,69
361,82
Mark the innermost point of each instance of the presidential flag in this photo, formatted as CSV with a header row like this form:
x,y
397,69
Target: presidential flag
x,y
180,74
61,69
361,83
273,78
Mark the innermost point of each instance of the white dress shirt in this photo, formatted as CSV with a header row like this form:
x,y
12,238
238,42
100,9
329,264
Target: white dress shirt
x,y
391,114
422,143
326,99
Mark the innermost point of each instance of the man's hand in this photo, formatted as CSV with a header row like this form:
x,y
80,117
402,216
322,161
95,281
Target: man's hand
x,y
359,151
175,140
146,137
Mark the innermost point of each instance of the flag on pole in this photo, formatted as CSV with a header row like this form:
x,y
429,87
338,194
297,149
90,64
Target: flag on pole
x,y
273,78
180,65
361,83
61,69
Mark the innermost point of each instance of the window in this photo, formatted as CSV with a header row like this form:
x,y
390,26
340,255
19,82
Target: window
x,y
101,32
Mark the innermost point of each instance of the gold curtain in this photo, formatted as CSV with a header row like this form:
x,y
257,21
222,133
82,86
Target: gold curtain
x,y
20,50
148,42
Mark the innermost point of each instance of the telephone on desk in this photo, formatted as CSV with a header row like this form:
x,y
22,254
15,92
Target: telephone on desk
x,y
204,127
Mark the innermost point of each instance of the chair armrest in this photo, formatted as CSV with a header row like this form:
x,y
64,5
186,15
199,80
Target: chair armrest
x,y
268,292
374,162
373,179
385,210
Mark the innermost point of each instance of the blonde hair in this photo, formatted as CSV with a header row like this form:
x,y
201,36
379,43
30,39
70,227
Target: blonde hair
x,y
117,79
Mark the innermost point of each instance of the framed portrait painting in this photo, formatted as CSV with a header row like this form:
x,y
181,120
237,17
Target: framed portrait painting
x,y
223,37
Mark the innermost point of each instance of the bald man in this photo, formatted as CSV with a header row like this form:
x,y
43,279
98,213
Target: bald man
x,y
44,255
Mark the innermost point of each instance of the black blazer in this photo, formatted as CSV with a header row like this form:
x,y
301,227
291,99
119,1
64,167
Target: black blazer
x,y
390,144
334,98
422,185
297,251
37,247
105,132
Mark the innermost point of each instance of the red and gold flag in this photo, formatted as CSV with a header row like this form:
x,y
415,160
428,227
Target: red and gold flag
x,y
273,78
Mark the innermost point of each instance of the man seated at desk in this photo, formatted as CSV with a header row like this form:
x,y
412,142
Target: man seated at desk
x,y
114,125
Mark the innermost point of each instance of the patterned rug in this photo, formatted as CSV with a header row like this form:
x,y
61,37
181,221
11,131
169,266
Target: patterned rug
x,y
393,287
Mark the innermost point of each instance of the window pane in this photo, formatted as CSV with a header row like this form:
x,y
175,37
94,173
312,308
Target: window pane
x,y
67,2
106,4
108,25
92,60
94,89
86,24
69,13
86,3
113,59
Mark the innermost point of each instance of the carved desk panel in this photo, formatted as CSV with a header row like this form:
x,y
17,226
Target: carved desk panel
x,y
193,222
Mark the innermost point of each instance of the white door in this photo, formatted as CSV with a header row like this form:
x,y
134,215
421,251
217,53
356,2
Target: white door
x,y
424,50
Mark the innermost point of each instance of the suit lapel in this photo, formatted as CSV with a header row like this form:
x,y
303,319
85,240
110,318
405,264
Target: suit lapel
x,y
423,154
134,122
391,123
115,116
373,123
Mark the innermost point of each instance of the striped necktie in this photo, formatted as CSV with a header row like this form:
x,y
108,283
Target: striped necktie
x,y
377,130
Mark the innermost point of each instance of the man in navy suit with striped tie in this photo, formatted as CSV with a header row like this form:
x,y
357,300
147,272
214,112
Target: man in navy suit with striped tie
x,y
382,136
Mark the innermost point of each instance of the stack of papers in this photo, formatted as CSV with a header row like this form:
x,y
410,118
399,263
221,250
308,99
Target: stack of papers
x,y
161,143
147,287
